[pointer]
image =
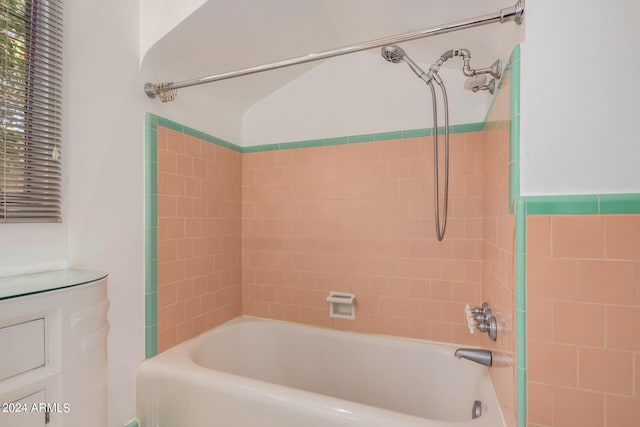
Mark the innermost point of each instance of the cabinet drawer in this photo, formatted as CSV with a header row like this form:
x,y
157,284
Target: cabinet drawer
x,y
22,348
19,413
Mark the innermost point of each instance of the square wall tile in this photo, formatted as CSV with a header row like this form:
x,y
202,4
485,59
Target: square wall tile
x,y
623,326
606,281
550,363
573,408
623,237
606,371
622,411
577,236
578,323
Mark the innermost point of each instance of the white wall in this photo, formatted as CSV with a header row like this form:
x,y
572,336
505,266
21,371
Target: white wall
x,y
580,98
104,128
158,17
357,94
28,248
103,188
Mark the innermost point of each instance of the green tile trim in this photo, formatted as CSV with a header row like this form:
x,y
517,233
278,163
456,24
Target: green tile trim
x,y
170,124
151,234
388,136
336,141
150,341
514,139
132,423
521,315
514,185
416,133
515,81
514,128
358,139
497,125
151,312
521,403
463,128
562,205
587,204
619,204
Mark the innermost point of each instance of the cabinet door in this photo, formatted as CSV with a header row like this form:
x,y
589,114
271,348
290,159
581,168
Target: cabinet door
x,y
20,414
22,348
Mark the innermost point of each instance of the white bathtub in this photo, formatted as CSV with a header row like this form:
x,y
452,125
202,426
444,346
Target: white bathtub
x,y
261,373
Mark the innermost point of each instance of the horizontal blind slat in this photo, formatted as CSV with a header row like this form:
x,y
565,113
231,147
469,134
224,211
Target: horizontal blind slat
x,y
30,110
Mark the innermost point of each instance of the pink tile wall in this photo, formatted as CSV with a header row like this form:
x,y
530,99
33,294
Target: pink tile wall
x,y
583,321
199,227
498,263
498,274
359,218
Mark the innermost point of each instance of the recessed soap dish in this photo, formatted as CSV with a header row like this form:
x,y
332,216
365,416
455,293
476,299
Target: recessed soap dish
x,y
342,305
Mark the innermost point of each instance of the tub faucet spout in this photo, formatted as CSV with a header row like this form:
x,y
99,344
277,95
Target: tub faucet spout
x,y
483,357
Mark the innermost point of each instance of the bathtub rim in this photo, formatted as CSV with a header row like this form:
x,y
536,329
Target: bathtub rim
x,y
174,362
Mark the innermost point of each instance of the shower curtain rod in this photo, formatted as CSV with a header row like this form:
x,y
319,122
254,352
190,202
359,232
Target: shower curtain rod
x,y
167,91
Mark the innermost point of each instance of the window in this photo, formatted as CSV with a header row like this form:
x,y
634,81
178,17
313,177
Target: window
x,y
30,110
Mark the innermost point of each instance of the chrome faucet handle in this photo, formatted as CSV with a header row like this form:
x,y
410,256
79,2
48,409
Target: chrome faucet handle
x,y
490,327
482,314
482,310
484,320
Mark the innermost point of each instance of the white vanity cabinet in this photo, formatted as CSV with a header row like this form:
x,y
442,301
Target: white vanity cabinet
x,y
53,349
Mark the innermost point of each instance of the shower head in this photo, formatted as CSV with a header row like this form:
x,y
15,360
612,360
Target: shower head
x,y
393,53
396,54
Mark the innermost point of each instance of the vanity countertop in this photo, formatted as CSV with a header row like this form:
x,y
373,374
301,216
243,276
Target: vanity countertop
x,y
27,284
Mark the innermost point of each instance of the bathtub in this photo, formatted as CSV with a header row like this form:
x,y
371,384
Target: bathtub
x,y
261,373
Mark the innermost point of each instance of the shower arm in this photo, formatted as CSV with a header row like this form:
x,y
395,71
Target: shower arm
x,y
465,54
167,91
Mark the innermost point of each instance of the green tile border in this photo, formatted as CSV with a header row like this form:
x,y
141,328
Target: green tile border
x,y
518,207
627,204
359,139
586,204
170,124
562,205
514,128
132,423
151,234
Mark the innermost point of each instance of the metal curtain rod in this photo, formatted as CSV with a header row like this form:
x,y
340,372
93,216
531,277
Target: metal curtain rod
x,y
167,91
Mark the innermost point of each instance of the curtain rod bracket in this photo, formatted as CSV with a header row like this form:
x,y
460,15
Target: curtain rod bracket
x,y
150,90
514,13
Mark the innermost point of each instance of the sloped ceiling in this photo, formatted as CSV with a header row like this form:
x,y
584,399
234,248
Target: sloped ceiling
x,y
225,35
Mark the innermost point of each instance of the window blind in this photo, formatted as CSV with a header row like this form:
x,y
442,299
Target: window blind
x,y
30,110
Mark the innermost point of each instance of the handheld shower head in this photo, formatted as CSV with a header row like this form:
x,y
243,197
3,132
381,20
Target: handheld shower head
x,y
396,54
393,53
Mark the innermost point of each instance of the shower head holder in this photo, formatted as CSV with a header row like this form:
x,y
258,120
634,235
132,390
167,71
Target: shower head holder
x,y
495,69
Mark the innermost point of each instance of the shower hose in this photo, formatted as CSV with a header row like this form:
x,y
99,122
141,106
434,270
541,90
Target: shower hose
x,y
440,220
